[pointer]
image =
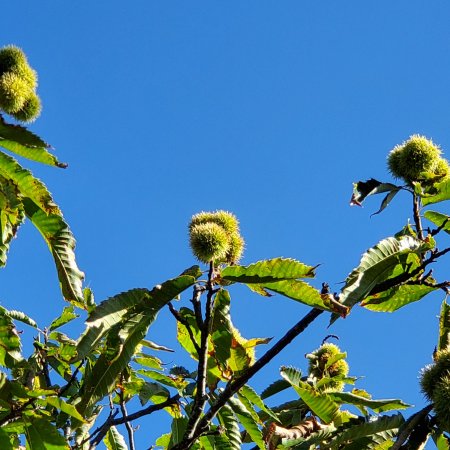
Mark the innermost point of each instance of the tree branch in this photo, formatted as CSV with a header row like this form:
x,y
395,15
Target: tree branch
x,y
417,219
235,385
128,426
101,431
72,379
200,396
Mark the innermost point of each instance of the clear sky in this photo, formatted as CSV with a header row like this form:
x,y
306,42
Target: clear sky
x,y
268,109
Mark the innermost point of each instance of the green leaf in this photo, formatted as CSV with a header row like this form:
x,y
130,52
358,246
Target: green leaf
x,y
22,317
178,429
321,404
231,425
441,220
163,441
11,215
102,379
154,392
221,329
268,271
23,142
319,437
442,443
377,265
114,440
444,326
61,405
369,429
274,388
254,398
247,421
174,382
42,435
61,243
183,336
9,341
362,189
27,184
440,192
395,298
66,316
154,346
377,406
148,361
5,443
299,291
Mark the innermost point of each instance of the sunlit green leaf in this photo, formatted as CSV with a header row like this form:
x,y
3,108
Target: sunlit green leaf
x,y
61,243
268,271
442,443
254,398
299,291
373,429
438,193
183,335
23,142
42,435
9,341
114,440
22,317
66,316
174,382
441,220
377,265
378,406
274,388
396,298
321,404
154,392
61,405
178,429
247,421
231,425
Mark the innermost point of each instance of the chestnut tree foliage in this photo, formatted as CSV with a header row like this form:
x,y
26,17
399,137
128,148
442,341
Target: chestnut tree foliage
x,y
76,392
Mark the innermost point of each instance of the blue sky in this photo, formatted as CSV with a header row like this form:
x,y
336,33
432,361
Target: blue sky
x,y
267,109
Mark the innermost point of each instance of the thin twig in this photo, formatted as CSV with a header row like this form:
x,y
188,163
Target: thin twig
x,y
440,227
416,213
128,426
15,412
184,322
233,387
198,290
100,432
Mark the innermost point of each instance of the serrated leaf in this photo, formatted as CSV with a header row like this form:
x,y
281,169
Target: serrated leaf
x,y
247,421
61,243
441,220
23,142
10,346
102,379
318,437
320,403
438,193
299,291
377,406
27,184
268,271
376,265
254,398
362,189
22,317
114,440
231,425
369,429
42,435
11,215
274,388
396,298
66,316
221,329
